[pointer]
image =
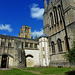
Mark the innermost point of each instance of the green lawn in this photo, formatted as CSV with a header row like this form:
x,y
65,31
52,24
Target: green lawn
x,y
51,70
15,72
37,71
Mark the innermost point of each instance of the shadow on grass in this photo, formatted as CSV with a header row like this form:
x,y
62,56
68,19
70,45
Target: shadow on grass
x,y
70,72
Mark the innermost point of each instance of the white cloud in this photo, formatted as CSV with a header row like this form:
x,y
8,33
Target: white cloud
x,y
6,27
38,33
37,12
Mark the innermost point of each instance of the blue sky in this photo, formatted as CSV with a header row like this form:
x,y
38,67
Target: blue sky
x,y
15,13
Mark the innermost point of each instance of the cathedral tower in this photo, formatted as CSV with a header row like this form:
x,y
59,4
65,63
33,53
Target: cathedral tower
x,y
25,32
59,26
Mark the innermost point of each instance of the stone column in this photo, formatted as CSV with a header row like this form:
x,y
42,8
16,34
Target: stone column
x,y
58,14
37,46
28,45
6,43
12,43
7,62
0,60
45,4
50,21
0,41
24,45
33,46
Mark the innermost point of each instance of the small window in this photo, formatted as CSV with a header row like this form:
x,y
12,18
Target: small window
x,y
35,46
9,44
26,44
31,45
2,43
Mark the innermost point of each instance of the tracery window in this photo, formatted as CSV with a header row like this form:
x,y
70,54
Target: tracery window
x,y
59,43
53,47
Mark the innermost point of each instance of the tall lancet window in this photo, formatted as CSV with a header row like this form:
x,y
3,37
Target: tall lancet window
x,y
55,14
60,13
53,47
59,45
52,21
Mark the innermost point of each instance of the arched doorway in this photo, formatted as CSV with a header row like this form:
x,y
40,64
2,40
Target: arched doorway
x,y
4,61
29,61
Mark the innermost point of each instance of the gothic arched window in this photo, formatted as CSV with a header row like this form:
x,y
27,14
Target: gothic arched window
x,y
60,13
53,47
59,45
55,14
52,21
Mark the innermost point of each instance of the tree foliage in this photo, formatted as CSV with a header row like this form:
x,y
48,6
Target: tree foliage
x,y
70,56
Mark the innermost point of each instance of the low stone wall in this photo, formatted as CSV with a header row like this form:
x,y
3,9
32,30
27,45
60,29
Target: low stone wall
x,y
63,64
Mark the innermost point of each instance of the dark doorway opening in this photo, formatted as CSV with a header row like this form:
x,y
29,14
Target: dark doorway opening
x,y
4,61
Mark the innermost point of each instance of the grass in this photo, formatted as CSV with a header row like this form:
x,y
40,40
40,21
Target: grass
x,y
39,71
15,72
51,70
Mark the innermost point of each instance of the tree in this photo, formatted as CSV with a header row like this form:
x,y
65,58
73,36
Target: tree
x,y
70,56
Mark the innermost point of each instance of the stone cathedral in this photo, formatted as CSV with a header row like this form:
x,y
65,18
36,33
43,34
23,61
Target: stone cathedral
x,y
47,50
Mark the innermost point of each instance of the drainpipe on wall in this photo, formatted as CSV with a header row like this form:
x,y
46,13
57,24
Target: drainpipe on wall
x,y
66,36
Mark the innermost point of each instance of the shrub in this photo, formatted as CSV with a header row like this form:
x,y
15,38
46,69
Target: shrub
x,y
70,56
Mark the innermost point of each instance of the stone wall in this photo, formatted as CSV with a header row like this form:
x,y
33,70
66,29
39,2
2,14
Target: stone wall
x,y
32,58
7,50
56,31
